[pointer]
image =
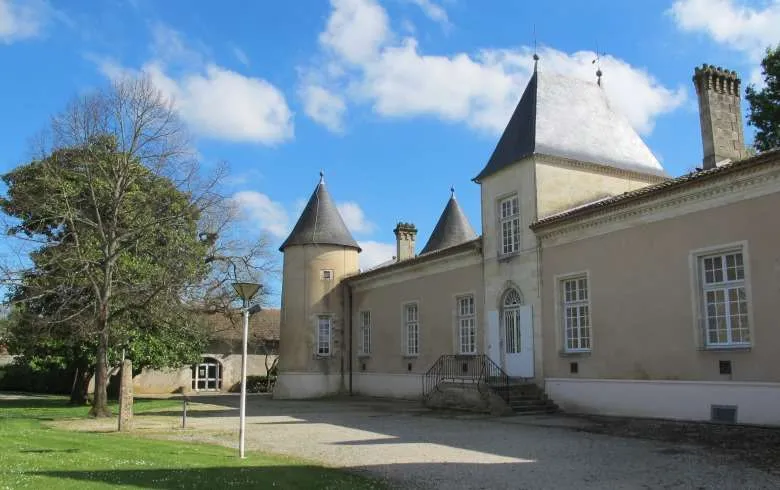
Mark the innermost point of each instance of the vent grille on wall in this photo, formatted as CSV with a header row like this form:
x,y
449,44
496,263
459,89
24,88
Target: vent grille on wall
x,y
724,414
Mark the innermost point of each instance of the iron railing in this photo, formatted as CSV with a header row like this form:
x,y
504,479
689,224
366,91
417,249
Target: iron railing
x,y
466,370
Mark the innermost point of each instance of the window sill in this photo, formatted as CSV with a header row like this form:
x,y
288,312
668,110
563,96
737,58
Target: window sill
x,y
364,356
411,356
321,357
727,348
574,353
508,256
466,354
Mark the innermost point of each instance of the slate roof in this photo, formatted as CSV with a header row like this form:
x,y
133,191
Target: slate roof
x,y
771,157
320,223
453,228
570,118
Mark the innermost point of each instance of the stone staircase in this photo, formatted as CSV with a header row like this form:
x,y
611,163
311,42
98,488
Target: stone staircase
x,y
525,398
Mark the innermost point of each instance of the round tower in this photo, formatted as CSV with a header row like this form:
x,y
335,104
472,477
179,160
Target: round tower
x,y
318,254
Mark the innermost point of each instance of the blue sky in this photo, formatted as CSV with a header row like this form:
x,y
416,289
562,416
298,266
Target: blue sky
x,y
395,100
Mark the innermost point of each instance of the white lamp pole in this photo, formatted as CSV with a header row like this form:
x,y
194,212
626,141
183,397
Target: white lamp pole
x,y
245,291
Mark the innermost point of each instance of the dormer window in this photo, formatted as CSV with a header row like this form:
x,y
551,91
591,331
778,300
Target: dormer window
x,y
326,275
509,209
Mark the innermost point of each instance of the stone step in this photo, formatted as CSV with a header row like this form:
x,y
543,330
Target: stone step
x,y
537,412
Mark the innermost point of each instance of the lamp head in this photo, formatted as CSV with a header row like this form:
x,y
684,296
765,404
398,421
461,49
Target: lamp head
x,y
246,290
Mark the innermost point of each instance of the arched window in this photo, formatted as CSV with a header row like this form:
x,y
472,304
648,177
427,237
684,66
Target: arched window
x,y
207,375
511,316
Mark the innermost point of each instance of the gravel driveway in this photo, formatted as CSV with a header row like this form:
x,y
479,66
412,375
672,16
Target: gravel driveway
x,y
415,448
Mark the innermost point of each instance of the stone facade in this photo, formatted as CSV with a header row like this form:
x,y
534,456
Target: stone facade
x,y
633,236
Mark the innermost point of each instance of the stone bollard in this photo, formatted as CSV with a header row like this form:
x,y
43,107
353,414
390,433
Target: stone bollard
x,y
126,397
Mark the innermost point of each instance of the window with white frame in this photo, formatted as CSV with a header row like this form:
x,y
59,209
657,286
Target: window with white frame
x,y
324,328
724,298
411,330
509,209
365,332
576,314
467,329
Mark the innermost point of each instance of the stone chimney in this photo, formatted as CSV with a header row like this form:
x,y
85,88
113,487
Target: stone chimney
x,y
405,234
720,115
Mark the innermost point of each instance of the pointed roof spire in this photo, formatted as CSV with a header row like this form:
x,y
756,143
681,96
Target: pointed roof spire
x,y
320,223
453,228
553,105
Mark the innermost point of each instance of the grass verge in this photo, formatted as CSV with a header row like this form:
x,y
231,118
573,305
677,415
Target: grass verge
x,y
33,455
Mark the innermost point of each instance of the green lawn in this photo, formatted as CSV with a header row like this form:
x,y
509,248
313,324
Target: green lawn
x,y
33,455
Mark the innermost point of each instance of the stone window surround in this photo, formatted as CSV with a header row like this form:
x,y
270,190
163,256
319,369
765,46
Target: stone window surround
x,y
560,312
364,349
462,317
697,294
405,324
318,344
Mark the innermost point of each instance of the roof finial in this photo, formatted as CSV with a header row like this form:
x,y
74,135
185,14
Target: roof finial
x,y
597,62
322,176
452,192
536,56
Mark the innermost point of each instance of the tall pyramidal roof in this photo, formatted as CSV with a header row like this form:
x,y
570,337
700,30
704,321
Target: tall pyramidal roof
x,y
570,118
453,228
320,223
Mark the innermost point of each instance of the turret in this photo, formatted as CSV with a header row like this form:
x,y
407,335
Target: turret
x,y
318,254
720,115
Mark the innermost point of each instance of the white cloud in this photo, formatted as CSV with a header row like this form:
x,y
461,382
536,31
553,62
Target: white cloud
x,y
23,19
354,217
323,106
744,29
479,90
259,208
433,11
215,102
222,104
374,253
240,55
356,29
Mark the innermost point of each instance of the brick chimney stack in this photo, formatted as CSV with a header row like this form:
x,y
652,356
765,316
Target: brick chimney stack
x,y
405,235
720,115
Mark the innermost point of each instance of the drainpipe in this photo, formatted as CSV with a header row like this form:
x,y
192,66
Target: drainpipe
x,y
351,341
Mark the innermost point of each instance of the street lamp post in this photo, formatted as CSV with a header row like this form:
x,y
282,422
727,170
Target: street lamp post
x,y
245,290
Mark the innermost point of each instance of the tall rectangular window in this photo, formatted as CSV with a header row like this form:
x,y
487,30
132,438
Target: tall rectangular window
x,y
510,224
365,332
725,299
411,330
467,329
324,328
576,314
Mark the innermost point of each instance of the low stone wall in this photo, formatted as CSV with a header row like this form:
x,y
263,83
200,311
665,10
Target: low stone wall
x,y
467,397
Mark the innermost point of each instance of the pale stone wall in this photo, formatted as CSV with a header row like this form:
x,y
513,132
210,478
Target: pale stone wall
x,y
643,285
305,296
151,381
519,270
564,184
435,287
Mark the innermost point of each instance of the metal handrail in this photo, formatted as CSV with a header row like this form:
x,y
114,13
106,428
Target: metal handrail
x,y
466,370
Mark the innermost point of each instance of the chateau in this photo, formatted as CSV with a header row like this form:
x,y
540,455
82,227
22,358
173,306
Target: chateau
x,y
597,278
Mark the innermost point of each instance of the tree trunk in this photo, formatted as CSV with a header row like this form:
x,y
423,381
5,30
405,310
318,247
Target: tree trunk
x,y
78,394
100,403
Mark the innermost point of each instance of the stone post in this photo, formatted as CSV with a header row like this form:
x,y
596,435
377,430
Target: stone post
x,y
126,397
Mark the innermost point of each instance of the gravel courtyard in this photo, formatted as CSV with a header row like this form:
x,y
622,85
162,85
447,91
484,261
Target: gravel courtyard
x,y
414,448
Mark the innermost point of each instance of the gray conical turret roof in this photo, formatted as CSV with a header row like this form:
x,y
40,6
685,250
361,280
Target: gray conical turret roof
x,y
320,223
453,228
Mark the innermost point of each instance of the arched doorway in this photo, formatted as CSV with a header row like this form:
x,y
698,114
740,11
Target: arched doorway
x,y
207,376
517,335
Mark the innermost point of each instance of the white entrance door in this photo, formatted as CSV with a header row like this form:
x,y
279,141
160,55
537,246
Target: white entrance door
x,y
518,341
